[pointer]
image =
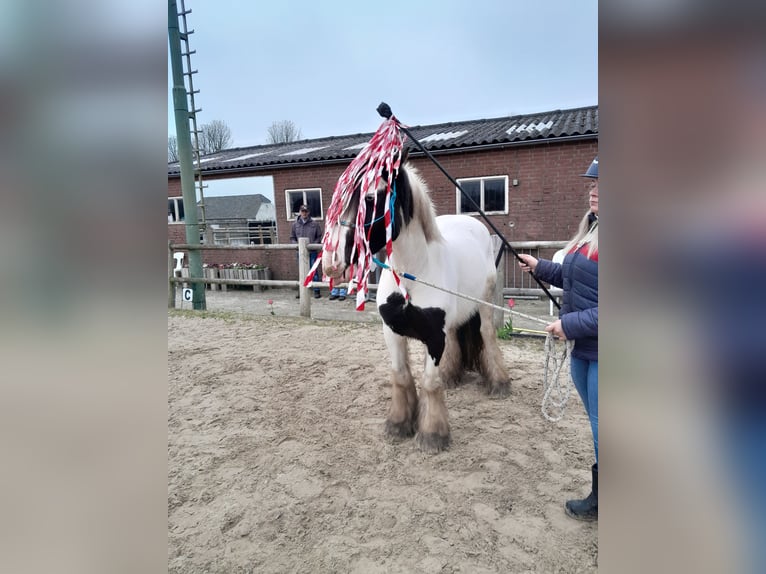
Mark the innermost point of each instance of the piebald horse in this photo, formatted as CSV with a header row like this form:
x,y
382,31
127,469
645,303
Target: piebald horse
x,y
451,251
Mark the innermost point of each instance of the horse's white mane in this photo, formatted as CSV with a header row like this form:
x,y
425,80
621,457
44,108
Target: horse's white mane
x,y
423,208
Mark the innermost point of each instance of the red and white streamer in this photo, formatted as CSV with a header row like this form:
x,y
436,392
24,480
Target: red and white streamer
x,y
383,151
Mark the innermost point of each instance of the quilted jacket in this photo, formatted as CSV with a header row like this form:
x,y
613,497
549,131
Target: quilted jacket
x,y
577,275
310,229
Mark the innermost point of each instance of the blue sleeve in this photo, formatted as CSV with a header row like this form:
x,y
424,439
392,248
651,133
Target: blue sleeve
x,y
580,324
549,272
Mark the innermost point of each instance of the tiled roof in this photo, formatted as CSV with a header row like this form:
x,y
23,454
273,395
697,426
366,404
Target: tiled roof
x,y
543,126
234,206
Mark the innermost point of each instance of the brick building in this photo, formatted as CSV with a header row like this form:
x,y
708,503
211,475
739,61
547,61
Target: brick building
x,y
523,170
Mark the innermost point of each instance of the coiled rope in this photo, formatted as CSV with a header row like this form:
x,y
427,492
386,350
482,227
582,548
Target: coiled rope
x,y
554,393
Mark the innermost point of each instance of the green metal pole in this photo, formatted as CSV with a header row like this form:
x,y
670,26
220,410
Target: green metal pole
x,y
186,161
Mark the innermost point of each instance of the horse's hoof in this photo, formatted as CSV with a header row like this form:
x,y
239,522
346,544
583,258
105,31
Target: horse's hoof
x,y
500,390
432,443
400,430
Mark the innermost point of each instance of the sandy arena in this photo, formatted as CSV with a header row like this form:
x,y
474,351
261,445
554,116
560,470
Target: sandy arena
x,y
277,460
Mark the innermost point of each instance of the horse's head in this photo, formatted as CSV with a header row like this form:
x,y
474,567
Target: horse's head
x,y
335,263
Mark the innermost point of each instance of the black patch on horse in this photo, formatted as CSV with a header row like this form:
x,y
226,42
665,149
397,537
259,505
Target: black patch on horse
x,y
471,343
425,324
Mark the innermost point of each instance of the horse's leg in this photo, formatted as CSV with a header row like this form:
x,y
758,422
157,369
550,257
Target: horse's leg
x,y
433,428
401,421
451,364
492,366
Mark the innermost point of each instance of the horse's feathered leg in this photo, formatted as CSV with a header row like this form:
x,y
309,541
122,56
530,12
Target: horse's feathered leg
x,y
451,364
402,415
433,427
427,325
492,366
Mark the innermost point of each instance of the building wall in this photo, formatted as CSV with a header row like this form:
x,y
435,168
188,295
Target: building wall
x,y
176,231
547,204
549,200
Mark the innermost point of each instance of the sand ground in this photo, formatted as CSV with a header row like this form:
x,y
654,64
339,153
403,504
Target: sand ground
x,y
277,460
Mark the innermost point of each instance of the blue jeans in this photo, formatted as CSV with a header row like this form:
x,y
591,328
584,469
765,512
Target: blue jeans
x,y
742,448
585,377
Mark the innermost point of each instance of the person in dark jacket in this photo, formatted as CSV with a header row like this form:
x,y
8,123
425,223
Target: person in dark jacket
x,y
305,226
577,275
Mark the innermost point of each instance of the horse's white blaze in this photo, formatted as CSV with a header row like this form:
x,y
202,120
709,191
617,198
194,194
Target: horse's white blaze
x,y
333,264
334,261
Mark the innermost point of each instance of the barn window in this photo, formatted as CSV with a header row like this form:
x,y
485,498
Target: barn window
x,y
175,209
489,193
311,197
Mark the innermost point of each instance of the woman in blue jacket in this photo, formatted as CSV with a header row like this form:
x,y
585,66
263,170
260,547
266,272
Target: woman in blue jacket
x,y
577,275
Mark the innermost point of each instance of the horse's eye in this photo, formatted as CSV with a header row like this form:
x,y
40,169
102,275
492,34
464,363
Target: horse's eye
x,y
369,196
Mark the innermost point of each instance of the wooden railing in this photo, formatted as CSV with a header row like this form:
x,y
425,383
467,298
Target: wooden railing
x,y
508,269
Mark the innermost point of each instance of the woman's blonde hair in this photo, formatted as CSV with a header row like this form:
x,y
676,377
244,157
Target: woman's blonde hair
x,y
586,233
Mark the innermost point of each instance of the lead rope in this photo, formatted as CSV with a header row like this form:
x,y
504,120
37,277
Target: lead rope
x,y
555,393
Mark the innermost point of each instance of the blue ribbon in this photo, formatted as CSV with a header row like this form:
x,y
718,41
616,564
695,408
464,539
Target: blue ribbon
x,y
390,208
385,266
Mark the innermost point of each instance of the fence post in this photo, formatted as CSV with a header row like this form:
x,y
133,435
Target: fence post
x,y
171,274
497,245
303,269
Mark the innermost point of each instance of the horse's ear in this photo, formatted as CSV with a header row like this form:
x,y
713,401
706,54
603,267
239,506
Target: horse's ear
x,y
405,155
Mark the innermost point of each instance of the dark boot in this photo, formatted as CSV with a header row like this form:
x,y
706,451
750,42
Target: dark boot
x,y
587,508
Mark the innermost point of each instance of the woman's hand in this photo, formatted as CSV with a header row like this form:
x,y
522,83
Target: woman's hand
x,y
527,263
556,329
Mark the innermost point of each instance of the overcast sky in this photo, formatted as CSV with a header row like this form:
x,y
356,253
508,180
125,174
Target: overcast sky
x,y
327,65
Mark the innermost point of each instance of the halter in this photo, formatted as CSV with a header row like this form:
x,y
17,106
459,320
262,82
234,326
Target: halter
x,y
391,202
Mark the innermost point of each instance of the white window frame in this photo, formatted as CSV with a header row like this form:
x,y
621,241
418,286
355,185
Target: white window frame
x,y
177,200
292,215
458,195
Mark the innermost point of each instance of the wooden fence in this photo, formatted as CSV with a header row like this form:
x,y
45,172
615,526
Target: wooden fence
x,y
521,283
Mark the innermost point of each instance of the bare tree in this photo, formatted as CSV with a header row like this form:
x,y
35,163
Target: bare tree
x,y
214,136
172,149
283,132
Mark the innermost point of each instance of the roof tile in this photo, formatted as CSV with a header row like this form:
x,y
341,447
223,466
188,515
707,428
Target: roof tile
x,y
527,128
